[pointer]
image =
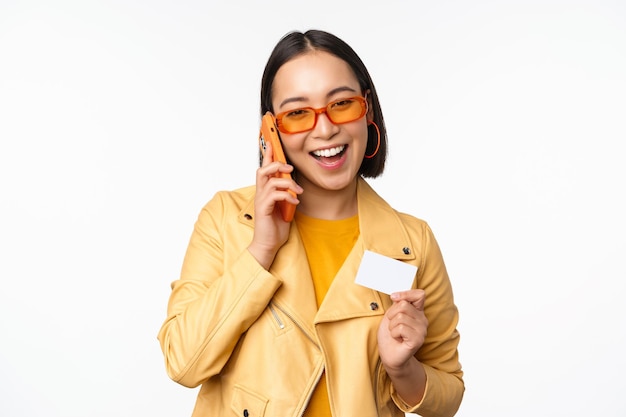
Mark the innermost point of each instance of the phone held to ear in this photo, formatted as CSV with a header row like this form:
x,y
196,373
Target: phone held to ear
x,y
269,133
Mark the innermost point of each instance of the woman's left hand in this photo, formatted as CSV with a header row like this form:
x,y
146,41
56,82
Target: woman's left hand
x,y
403,329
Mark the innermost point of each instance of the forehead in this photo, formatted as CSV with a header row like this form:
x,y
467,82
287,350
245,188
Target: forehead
x,y
312,77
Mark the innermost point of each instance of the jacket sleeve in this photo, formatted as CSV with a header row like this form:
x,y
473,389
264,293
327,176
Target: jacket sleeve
x,y
438,354
215,300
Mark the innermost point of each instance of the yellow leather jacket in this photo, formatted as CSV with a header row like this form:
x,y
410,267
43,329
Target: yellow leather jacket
x,y
257,342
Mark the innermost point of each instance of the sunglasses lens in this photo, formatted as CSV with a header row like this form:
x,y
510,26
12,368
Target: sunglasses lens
x,y
347,110
298,120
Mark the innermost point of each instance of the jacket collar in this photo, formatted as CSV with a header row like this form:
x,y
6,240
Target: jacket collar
x,y
380,225
381,229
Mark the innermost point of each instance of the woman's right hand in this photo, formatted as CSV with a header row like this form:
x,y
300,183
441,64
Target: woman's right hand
x,y
270,230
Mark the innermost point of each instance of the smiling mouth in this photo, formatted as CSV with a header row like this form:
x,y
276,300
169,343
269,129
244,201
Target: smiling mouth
x,y
329,153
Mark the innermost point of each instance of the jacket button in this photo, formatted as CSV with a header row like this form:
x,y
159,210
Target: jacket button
x,y
247,216
406,250
373,306
245,413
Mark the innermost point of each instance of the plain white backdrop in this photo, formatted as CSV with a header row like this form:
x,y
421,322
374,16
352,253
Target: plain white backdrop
x,y
120,119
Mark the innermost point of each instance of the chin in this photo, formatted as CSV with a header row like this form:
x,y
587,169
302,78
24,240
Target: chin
x,y
337,184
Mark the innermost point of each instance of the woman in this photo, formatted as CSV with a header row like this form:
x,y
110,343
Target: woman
x,y
267,316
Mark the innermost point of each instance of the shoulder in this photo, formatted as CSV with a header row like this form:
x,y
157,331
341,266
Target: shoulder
x,y
383,211
228,205
389,232
231,199
413,223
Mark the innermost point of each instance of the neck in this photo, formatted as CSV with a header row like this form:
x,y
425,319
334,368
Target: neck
x,y
329,204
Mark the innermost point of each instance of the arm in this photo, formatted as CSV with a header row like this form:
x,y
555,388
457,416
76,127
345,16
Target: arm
x,y
225,285
220,294
418,340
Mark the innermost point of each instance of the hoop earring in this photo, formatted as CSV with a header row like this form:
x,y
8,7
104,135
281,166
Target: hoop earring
x,y
378,143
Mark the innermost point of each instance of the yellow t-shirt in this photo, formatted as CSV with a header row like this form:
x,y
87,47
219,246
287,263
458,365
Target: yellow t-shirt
x,y
327,244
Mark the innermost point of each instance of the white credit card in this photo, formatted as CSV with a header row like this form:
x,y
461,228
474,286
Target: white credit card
x,y
385,274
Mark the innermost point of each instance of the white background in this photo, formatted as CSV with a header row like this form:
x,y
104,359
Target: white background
x,y
120,119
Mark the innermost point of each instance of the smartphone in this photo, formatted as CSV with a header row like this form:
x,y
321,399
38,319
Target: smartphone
x,y
269,133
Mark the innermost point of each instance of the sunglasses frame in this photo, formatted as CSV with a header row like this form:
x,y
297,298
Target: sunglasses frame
x,y
362,100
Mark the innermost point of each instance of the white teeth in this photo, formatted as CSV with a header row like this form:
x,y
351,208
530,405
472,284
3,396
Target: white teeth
x,y
329,152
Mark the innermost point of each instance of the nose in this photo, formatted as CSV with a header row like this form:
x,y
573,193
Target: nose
x,y
324,128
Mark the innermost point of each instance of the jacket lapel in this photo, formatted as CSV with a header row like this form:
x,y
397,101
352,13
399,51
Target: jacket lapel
x,y
381,227
297,295
381,231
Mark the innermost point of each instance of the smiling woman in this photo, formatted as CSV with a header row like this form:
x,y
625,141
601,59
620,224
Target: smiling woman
x,y
266,315
313,80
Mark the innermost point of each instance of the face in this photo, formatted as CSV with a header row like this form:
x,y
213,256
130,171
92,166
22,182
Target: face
x,y
327,157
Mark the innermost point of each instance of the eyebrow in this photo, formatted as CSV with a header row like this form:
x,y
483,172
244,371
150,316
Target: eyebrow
x,y
329,95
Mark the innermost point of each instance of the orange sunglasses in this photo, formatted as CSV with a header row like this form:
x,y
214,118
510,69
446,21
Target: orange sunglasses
x,y
340,111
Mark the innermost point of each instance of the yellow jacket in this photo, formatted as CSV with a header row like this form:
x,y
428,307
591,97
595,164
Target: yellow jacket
x,y
256,341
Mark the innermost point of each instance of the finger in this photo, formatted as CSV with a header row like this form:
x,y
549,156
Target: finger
x,y
274,176
415,296
284,194
407,333
268,154
275,169
401,331
404,313
405,326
